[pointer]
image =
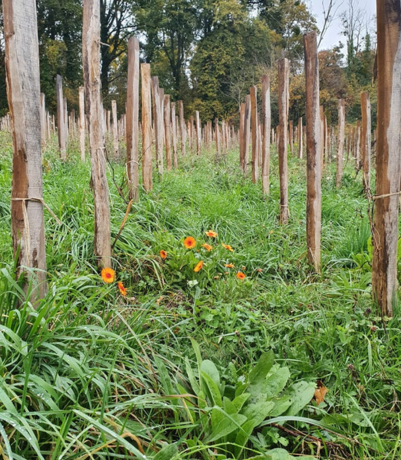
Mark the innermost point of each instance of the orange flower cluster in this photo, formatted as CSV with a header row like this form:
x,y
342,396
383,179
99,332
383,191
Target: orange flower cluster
x,y
189,242
227,246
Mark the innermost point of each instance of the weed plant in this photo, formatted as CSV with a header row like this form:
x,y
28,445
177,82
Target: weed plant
x,y
163,372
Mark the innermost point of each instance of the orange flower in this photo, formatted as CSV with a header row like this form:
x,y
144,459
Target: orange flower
x,y
227,246
163,254
229,265
122,289
108,275
198,267
189,242
207,247
241,276
211,234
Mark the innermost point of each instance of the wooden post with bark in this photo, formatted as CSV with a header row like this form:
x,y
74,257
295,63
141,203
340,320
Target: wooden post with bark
x,y
174,136
91,71
254,120
198,133
167,130
82,122
182,127
366,139
300,138
23,93
115,128
42,119
291,132
132,118
314,157
266,125
340,147
147,179
388,157
283,102
62,141
247,133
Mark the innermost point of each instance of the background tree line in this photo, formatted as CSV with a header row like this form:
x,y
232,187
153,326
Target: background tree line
x,y
206,52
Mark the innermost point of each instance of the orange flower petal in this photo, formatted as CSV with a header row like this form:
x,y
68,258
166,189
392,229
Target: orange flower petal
x,y
122,289
227,246
207,247
163,254
198,266
211,234
229,265
241,276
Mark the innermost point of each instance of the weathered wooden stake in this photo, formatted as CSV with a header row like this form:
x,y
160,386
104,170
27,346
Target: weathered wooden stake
x,y
314,156
82,122
23,92
283,89
266,125
182,128
300,138
340,147
132,118
198,133
91,70
167,130
388,157
247,134
174,137
62,141
254,112
115,128
366,140
146,128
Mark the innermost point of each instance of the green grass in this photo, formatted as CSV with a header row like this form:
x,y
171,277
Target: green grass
x,y
91,374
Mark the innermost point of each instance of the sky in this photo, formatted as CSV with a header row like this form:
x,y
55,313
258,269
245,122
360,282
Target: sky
x,y
333,36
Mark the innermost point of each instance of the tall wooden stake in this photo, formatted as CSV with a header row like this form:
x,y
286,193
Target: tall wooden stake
x,y
23,92
247,134
82,122
132,121
115,128
283,89
62,140
341,134
167,130
174,137
182,127
300,138
91,68
254,112
266,125
366,139
146,128
314,157
388,157
198,133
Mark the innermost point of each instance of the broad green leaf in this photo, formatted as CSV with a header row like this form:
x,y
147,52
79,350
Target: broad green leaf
x,y
229,407
226,426
258,412
280,405
259,372
240,400
243,436
191,377
213,389
275,383
167,453
301,394
209,368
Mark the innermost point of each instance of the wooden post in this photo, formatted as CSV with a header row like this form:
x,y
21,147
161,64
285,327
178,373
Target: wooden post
x,y
158,104
182,127
23,93
82,122
340,147
174,137
300,139
291,136
254,112
62,141
358,146
314,158
146,128
42,120
132,121
115,128
241,134
167,130
217,131
198,133
321,143
388,157
91,70
247,134
283,89
266,125
366,140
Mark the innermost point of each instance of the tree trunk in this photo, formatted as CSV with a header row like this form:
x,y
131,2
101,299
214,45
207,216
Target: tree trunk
x,y
23,92
314,157
91,70
388,157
